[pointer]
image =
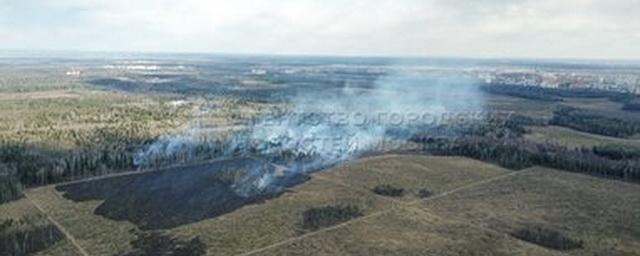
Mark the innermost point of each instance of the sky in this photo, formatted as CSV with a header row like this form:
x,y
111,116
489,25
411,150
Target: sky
x,y
589,29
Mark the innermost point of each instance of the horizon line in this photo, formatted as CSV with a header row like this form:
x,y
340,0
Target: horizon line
x,y
318,55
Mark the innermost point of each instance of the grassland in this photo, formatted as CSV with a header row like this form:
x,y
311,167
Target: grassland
x,y
480,220
275,220
603,214
95,234
433,174
473,210
407,231
526,107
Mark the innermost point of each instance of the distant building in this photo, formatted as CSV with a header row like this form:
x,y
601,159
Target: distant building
x,y
73,72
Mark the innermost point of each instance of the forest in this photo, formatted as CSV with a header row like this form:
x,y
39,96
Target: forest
x,y
632,106
583,120
517,153
23,165
555,94
27,235
617,152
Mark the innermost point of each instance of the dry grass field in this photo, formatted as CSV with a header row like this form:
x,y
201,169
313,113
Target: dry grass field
x,y
412,174
95,234
261,225
473,210
603,214
408,231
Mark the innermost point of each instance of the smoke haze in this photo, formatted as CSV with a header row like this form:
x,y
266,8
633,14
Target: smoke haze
x,y
326,127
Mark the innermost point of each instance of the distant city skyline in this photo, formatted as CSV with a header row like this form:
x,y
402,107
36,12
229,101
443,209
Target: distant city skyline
x,y
576,29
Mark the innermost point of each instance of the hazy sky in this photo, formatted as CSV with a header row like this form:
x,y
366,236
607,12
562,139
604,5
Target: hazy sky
x,y
469,28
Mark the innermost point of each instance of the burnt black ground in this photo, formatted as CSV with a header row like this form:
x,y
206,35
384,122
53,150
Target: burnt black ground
x,y
175,196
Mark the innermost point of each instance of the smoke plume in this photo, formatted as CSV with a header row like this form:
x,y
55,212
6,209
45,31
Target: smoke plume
x,y
325,127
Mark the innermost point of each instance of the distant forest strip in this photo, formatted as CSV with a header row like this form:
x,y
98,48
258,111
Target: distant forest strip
x,y
519,154
501,142
555,94
583,120
632,106
617,152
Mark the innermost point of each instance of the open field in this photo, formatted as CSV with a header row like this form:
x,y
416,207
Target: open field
x,y
480,220
274,220
408,231
473,208
526,107
95,234
603,214
412,174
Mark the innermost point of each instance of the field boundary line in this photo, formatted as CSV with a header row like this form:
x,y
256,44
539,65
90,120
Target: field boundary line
x,y
64,231
375,214
415,205
293,239
470,185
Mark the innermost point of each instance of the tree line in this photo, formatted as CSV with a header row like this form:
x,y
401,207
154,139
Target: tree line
x,y
25,165
617,152
27,235
555,94
632,106
586,121
519,154
501,141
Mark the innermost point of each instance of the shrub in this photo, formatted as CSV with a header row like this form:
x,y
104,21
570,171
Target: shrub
x,y
155,243
388,190
326,216
424,193
547,238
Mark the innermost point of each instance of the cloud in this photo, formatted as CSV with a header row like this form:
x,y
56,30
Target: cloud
x,y
481,28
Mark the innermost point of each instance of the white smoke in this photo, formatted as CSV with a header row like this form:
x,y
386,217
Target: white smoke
x,y
329,126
